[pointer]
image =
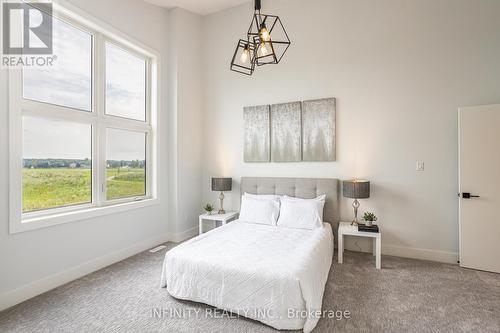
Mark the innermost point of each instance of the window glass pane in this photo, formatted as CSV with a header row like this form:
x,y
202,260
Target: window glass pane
x,y
125,84
69,81
126,164
56,164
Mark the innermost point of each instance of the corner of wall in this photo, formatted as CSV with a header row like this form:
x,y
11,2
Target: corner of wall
x,y
185,119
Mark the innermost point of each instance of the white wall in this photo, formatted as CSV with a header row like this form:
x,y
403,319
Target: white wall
x,y
185,122
399,71
35,261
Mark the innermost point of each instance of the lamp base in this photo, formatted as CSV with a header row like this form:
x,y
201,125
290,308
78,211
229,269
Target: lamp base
x,y
221,199
355,205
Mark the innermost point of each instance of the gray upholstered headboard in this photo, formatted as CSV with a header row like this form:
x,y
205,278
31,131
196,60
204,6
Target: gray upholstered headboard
x,y
306,188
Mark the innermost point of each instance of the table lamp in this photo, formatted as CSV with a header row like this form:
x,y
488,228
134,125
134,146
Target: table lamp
x,y
356,189
222,184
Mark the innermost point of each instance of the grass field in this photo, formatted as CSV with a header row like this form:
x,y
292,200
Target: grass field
x,y
51,188
124,183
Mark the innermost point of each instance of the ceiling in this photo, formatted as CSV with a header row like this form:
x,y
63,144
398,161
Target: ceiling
x,y
202,7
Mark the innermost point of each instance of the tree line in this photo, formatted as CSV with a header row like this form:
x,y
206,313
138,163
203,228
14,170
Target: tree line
x,y
52,163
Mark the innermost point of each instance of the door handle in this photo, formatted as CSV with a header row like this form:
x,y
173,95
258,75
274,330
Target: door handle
x,y
467,195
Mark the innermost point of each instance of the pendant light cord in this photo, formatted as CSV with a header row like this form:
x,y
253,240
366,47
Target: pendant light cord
x,y
258,5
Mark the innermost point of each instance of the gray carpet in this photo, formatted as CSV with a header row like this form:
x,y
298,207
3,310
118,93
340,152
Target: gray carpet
x,y
405,296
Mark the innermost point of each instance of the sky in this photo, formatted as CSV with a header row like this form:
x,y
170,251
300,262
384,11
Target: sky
x,y
44,139
125,145
69,84
125,89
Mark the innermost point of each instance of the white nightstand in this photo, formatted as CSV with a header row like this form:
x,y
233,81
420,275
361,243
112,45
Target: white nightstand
x,y
345,228
223,218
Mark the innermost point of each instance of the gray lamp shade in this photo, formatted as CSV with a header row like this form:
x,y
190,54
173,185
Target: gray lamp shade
x,y
222,184
356,189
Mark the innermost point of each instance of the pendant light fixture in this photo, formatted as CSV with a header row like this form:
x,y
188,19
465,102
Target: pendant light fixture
x,y
244,58
266,43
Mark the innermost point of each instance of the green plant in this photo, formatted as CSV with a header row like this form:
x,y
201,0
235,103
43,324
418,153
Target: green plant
x,y
371,217
208,208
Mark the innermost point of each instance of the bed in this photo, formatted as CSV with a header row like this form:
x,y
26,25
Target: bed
x,y
267,273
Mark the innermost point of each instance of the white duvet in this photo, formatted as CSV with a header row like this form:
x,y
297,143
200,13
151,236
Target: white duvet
x,y
271,274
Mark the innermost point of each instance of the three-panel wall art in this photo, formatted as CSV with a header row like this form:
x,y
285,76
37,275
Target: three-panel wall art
x,y
290,132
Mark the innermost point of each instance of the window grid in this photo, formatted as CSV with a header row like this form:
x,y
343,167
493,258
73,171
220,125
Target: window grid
x,y
98,120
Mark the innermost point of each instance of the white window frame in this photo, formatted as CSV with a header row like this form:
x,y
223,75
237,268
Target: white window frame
x,y
19,107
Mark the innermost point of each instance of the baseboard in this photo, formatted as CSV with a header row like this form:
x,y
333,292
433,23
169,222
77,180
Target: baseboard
x,y
41,286
182,236
423,254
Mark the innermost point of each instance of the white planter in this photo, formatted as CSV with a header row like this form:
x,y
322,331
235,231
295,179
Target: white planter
x,y
368,223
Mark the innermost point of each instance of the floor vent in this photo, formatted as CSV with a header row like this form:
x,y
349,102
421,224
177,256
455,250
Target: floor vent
x,y
158,248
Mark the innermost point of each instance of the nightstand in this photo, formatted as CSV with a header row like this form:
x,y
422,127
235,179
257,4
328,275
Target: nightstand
x,y
223,218
346,229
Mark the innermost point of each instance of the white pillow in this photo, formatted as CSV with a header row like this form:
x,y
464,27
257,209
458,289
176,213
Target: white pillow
x,y
319,198
301,213
263,196
259,211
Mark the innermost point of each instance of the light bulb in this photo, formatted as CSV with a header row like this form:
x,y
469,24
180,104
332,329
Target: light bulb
x,y
245,55
263,49
264,34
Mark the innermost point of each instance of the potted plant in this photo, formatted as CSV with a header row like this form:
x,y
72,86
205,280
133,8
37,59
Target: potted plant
x,y
209,209
369,218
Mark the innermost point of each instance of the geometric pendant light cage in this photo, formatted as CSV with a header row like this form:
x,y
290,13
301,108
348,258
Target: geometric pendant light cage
x,y
244,58
266,43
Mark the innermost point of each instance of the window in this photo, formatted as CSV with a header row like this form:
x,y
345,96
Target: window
x,y
69,83
125,84
82,132
57,164
126,164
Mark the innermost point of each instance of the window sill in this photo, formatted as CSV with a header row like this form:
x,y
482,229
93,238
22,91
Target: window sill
x,y
76,215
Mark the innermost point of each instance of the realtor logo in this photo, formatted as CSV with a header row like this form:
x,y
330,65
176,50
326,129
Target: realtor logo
x,y
27,28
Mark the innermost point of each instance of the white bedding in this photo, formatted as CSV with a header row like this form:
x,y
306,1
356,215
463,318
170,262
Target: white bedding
x,y
257,271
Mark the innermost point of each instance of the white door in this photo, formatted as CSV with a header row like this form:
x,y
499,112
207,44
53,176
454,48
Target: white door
x,y
479,186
